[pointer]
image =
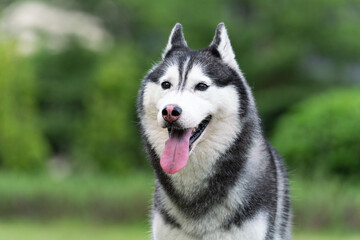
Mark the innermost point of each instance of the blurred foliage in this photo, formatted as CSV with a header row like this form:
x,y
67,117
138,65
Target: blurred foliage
x,y
122,199
22,144
322,134
325,203
108,135
80,104
87,105
63,82
106,198
275,102
288,47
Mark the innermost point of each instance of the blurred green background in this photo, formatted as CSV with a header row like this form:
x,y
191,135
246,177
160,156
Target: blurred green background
x,y
71,162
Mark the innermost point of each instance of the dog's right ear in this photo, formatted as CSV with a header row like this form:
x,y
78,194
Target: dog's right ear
x,y
221,46
176,39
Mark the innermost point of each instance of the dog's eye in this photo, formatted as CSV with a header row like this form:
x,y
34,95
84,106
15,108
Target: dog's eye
x,y
201,87
166,85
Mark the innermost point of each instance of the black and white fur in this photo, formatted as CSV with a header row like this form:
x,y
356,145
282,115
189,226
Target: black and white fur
x,y
235,184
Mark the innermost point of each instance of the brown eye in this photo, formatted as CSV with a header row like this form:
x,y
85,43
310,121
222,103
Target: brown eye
x,y
201,87
166,85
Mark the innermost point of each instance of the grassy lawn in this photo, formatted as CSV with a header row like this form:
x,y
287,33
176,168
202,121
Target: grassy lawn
x,y
325,236
75,230
99,197
100,207
72,230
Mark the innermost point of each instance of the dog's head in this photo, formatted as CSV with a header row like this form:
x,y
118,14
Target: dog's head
x,y
191,102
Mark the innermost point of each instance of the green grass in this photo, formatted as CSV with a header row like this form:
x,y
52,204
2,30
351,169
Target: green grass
x,y
78,188
71,230
325,236
109,198
317,204
325,203
75,230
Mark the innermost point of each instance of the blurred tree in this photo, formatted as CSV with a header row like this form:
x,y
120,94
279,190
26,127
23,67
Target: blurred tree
x,y
108,136
63,81
22,144
288,50
321,134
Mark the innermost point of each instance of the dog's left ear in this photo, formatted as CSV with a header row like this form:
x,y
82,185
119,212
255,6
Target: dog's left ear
x,y
221,46
176,39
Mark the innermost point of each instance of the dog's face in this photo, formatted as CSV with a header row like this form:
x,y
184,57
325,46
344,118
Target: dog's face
x,y
190,101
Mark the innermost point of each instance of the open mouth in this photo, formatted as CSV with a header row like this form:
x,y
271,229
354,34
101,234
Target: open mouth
x,y
196,131
177,148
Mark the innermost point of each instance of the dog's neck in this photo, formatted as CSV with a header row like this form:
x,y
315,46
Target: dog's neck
x,y
197,186
203,162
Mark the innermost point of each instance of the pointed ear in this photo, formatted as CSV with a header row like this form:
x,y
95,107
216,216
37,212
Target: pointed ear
x,y
221,45
176,39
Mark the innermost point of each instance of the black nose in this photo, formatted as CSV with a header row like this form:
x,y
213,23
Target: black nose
x,y
171,113
176,111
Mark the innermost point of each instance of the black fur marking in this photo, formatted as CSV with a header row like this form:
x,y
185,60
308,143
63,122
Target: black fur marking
x,y
272,199
177,38
285,214
158,206
187,70
217,38
285,217
214,52
174,51
156,73
180,70
245,212
183,72
263,196
223,75
169,219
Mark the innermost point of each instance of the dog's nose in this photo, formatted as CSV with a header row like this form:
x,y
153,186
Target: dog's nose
x,y
171,113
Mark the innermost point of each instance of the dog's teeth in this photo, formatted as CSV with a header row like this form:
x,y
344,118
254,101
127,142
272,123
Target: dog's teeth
x,y
194,130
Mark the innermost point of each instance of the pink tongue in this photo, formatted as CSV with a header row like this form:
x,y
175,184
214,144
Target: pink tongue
x,y
176,152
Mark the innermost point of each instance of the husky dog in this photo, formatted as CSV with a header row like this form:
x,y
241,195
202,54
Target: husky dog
x,y
217,178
